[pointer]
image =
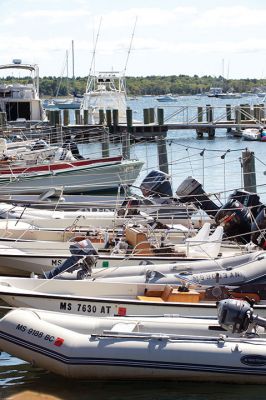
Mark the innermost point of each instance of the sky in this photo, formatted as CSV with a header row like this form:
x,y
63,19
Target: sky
x,y
171,37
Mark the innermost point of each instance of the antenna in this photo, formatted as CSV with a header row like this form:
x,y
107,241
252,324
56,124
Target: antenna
x,y
73,61
130,46
65,66
93,54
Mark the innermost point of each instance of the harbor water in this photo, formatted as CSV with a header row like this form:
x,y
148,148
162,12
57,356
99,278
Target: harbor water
x,y
216,163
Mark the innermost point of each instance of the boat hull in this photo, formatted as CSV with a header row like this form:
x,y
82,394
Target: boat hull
x,y
74,180
99,298
118,355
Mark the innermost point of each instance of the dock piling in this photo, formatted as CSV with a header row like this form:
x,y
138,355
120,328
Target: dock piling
x,y
66,117
162,154
249,173
146,116
126,144
160,116
102,118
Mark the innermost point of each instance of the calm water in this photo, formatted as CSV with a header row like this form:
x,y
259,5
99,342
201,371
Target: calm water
x,y
217,175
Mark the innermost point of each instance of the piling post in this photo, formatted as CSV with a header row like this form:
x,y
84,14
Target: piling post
x,y
129,115
211,133
3,119
105,143
115,120
102,118
261,110
55,117
200,114
160,116
237,115
228,112
249,173
209,113
85,117
77,117
162,154
242,115
152,118
256,111
146,116
126,144
66,117
108,114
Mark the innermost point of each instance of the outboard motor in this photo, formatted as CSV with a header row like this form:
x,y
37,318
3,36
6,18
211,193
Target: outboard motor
x,y
237,316
72,146
236,220
156,183
248,199
156,189
258,230
191,191
83,259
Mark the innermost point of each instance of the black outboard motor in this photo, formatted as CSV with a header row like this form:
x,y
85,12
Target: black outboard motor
x,y
72,146
258,229
156,189
156,183
236,220
248,199
82,259
191,191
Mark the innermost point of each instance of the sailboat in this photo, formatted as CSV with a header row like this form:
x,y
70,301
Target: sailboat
x,y
67,103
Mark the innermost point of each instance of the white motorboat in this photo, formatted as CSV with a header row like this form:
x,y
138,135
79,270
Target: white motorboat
x,y
105,91
168,98
77,176
21,258
107,298
134,349
20,101
251,134
49,220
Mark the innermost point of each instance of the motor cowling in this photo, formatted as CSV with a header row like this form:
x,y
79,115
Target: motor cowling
x,y
248,199
236,221
258,230
156,183
234,315
191,191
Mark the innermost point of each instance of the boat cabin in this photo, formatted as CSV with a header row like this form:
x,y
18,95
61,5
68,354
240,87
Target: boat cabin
x,y
19,100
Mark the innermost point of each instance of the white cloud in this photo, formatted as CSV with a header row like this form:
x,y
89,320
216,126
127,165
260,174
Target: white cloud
x,y
231,17
147,16
56,14
166,34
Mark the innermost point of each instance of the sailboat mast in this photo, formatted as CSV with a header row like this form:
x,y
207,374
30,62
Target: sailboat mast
x,y
130,45
73,61
93,55
67,82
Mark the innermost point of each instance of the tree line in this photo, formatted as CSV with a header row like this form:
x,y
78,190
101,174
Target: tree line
x,y
50,86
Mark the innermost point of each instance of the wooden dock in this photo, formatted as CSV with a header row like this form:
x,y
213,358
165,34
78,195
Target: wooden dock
x,y
156,121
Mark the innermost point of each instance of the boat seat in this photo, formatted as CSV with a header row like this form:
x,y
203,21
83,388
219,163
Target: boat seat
x,y
167,292
150,298
192,296
157,295
123,327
